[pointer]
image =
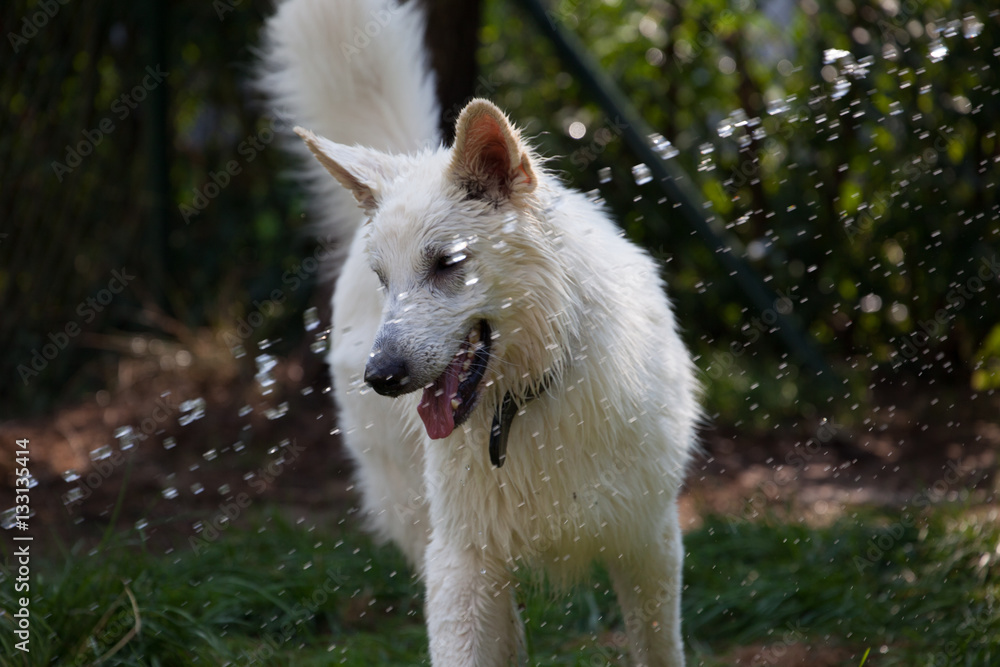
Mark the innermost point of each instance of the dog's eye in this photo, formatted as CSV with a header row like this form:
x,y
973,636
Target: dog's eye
x,y
450,261
445,264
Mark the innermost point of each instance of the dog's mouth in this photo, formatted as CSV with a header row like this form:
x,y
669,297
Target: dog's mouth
x,y
448,401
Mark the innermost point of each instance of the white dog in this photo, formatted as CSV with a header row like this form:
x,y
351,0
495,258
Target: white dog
x,y
541,406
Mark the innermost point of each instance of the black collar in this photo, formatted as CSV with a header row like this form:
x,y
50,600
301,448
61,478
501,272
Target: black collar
x,y
504,417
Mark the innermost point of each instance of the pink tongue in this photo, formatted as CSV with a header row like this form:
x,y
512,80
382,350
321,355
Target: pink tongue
x,y
435,405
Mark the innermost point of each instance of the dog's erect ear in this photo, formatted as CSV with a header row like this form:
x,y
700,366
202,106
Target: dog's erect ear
x,y
360,170
488,158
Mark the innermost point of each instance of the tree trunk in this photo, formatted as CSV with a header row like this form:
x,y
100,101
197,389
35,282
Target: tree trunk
x,y
452,38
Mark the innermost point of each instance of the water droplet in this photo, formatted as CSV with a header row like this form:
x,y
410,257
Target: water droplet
x,y
126,438
705,150
725,128
840,88
169,443
170,493
265,364
311,318
642,174
757,249
8,519
211,454
594,196
662,146
778,106
70,475
224,490
604,175
938,51
197,488
191,410
833,55
509,223
472,281
319,346
871,303
245,410
972,27
277,412
238,351
73,495
264,344
141,524
101,453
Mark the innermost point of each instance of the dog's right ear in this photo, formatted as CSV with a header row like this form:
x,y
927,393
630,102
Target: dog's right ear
x,y
361,170
489,159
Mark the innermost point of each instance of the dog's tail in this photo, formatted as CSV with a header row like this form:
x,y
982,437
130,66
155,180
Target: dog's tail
x,y
355,72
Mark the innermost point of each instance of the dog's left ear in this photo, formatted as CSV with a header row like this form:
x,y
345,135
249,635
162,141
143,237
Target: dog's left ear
x,y
363,171
489,159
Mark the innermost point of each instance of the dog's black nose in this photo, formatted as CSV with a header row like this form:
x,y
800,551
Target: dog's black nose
x,y
387,374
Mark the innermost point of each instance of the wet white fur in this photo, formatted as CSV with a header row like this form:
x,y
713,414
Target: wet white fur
x,y
595,464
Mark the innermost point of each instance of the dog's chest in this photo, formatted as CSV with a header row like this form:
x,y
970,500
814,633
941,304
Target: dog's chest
x,y
564,491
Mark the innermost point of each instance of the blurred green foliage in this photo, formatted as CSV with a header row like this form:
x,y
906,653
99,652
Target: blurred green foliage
x,y
851,147
862,181
80,199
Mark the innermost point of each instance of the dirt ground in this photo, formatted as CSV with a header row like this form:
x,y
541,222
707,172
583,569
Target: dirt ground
x,y
278,446
183,444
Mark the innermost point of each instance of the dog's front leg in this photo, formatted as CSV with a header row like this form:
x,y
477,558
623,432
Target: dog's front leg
x,y
472,620
648,583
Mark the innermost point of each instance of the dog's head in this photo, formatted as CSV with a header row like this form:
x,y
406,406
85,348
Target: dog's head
x,y
466,263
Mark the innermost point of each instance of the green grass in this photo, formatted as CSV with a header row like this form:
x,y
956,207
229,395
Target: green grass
x,y
284,594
